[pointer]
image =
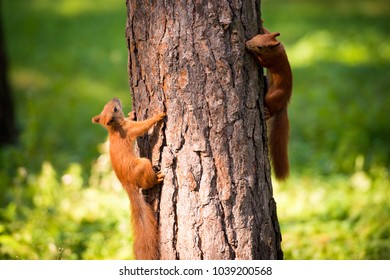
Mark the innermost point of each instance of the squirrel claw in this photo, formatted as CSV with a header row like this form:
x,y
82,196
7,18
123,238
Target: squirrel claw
x,y
160,176
131,116
156,168
162,115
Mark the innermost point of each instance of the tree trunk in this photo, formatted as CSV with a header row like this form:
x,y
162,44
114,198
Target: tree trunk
x,y
188,58
7,122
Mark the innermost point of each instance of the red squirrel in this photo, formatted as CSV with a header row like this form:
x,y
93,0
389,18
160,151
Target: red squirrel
x,y
134,173
271,55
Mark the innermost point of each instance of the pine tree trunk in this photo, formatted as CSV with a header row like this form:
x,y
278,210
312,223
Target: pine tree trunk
x,y
188,58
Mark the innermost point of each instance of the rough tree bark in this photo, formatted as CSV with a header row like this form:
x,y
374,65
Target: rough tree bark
x,y
188,58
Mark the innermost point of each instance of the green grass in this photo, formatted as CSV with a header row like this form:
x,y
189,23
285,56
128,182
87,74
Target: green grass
x,y
335,217
60,198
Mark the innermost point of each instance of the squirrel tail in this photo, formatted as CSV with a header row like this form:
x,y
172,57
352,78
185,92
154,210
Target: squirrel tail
x,y
278,133
144,226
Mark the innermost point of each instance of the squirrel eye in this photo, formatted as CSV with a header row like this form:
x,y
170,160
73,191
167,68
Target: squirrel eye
x,y
115,109
260,47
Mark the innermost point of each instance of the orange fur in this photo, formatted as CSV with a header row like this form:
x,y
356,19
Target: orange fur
x,y
134,173
271,55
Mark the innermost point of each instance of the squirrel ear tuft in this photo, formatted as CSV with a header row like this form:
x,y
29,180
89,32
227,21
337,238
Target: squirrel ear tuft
x,y
275,34
96,119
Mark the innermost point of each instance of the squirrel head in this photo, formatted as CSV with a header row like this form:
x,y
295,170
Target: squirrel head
x,y
111,115
263,43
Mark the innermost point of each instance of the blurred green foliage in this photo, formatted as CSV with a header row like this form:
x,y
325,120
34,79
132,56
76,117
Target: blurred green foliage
x,y
336,203
340,55
59,197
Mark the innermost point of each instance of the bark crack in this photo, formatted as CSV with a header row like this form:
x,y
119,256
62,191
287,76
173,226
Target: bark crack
x,y
231,246
174,206
198,238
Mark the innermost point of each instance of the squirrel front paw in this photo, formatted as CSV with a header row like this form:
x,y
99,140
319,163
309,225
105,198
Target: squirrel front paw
x,y
131,115
161,115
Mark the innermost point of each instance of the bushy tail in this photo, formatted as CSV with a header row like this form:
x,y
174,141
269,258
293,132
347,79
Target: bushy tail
x,y
144,226
278,133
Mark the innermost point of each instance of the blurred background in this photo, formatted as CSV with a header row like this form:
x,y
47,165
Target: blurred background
x,y
59,198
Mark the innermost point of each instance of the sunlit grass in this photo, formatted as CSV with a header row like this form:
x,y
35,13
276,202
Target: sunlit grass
x,y
57,211
344,217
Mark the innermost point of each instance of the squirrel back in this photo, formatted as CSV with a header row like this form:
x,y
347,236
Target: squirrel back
x,y
134,173
271,54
